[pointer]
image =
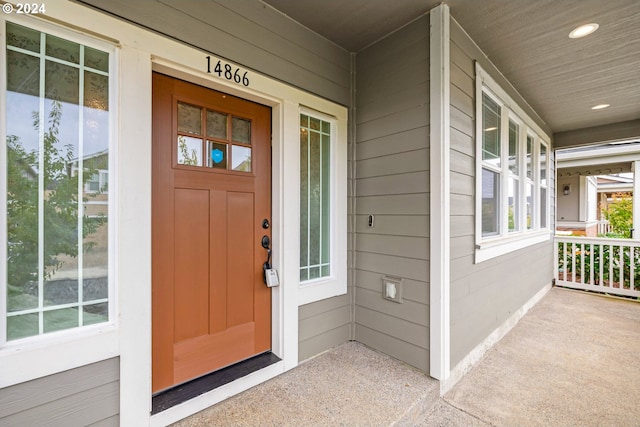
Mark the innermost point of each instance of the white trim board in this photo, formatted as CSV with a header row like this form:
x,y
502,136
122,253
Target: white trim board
x,y
475,355
439,223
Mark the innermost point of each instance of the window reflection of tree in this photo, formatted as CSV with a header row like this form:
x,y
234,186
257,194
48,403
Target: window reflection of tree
x,y
60,206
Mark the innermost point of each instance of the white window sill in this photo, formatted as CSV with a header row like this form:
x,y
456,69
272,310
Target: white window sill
x,y
500,246
320,289
49,354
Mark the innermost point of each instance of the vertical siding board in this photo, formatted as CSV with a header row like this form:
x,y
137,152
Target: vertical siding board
x,y
392,170
483,295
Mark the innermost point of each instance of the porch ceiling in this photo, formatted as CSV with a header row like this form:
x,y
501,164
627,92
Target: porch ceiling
x,y
528,41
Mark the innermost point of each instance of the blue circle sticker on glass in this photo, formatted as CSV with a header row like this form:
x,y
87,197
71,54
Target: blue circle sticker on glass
x,y
217,155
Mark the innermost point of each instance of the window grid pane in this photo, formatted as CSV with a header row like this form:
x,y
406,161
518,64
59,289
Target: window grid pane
x,y
490,202
529,160
529,206
57,172
315,207
513,203
514,133
490,131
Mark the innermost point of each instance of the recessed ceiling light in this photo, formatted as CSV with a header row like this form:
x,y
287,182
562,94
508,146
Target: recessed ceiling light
x,y
583,30
600,106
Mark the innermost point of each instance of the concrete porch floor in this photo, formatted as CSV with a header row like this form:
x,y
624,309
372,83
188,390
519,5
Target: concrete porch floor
x,y
573,360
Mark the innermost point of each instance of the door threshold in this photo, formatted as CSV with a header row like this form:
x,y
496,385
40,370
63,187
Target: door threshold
x,y
181,393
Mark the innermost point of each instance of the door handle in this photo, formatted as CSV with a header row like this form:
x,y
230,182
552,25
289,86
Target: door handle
x,y
266,243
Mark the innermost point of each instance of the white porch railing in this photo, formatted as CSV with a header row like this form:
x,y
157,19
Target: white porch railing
x,y
598,264
604,227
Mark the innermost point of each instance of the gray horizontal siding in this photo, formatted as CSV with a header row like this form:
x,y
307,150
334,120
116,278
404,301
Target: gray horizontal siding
x,y
392,182
250,34
88,395
323,325
483,295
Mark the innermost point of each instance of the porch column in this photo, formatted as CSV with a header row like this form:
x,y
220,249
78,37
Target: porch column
x,y
636,199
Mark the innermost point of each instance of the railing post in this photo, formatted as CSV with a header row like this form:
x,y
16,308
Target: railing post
x,y
636,200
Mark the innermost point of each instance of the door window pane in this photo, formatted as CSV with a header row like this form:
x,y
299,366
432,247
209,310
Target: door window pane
x,y
315,198
57,171
216,125
217,155
241,158
189,151
189,118
241,130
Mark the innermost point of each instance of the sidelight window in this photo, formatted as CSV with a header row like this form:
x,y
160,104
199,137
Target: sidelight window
x,y
57,143
315,198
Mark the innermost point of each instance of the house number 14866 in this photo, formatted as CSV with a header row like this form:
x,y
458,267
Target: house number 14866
x,y
228,72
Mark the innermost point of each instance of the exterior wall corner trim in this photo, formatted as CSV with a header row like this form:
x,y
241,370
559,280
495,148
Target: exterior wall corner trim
x,y
439,274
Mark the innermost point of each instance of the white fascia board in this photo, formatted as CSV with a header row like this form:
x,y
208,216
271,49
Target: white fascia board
x,y
616,152
597,160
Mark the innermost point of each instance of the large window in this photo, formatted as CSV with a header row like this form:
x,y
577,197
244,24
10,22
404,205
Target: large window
x,y
57,170
315,198
513,158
